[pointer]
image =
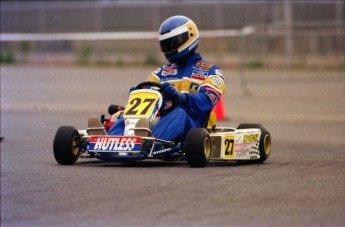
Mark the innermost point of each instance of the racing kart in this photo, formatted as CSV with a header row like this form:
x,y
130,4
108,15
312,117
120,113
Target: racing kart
x,y
248,143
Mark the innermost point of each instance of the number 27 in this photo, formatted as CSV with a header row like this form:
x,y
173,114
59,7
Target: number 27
x,y
229,147
136,102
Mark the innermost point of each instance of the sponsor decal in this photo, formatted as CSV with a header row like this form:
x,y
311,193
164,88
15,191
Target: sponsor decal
x,y
203,65
217,82
255,152
242,156
252,138
239,138
199,75
119,143
193,87
219,73
212,96
244,151
244,148
214,91
169,70
161,151
170,79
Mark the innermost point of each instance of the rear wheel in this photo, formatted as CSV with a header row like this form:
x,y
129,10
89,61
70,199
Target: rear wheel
x,y
265,142
198,147
66,145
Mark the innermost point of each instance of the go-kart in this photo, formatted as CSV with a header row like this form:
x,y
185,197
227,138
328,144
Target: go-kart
x,y
249,143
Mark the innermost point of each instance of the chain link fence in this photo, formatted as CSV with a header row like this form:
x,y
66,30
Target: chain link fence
x,y
287,33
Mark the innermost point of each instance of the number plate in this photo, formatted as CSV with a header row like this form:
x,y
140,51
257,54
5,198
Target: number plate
x,y
229,144
141,103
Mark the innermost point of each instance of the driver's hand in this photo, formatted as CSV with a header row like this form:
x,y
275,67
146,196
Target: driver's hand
x,y
169,91
133,88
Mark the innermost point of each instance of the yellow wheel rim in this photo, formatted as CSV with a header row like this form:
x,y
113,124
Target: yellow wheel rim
x,y
267,144
207,148
75,145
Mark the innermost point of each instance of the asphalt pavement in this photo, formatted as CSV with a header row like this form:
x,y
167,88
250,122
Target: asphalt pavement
x,y
302,183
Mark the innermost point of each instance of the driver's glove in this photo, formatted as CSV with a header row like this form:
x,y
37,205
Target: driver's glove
x,y
133,88
169,91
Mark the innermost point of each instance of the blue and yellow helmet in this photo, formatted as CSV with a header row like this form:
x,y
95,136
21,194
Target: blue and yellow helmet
x,y
178,36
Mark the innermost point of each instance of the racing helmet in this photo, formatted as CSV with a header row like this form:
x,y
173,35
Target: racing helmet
x,y
178,36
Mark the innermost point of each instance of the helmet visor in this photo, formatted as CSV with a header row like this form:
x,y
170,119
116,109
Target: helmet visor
x,y
173,43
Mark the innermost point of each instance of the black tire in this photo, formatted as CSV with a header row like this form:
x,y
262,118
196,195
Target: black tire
x,y
265,142
66,145
198,147
112,109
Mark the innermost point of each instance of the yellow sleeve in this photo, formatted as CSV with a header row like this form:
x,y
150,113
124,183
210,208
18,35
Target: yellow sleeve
x,y
215,82
153,78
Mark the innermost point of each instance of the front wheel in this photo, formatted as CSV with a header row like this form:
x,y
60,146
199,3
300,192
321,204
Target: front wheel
x,y
66,145
264,142
198,147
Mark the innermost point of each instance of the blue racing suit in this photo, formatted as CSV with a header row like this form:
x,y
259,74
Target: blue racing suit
x,y
202,84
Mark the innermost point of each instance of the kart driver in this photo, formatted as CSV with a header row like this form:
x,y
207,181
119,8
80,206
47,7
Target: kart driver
x,y
194,85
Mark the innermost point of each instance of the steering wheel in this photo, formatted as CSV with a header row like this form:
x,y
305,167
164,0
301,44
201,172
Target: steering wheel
x,y
159,86
148,83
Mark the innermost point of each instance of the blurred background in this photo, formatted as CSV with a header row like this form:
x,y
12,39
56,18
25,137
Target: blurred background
x,y
251,34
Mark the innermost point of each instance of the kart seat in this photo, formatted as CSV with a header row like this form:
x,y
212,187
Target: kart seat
x,y
94,122
210,120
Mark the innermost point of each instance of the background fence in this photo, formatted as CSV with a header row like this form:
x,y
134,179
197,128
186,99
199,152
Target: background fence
x,y
286,33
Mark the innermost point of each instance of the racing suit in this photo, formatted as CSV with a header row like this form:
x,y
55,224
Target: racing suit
x,y
202,84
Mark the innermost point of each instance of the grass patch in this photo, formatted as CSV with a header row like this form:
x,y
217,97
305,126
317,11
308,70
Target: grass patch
x,y
255,64
7,57
84,54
